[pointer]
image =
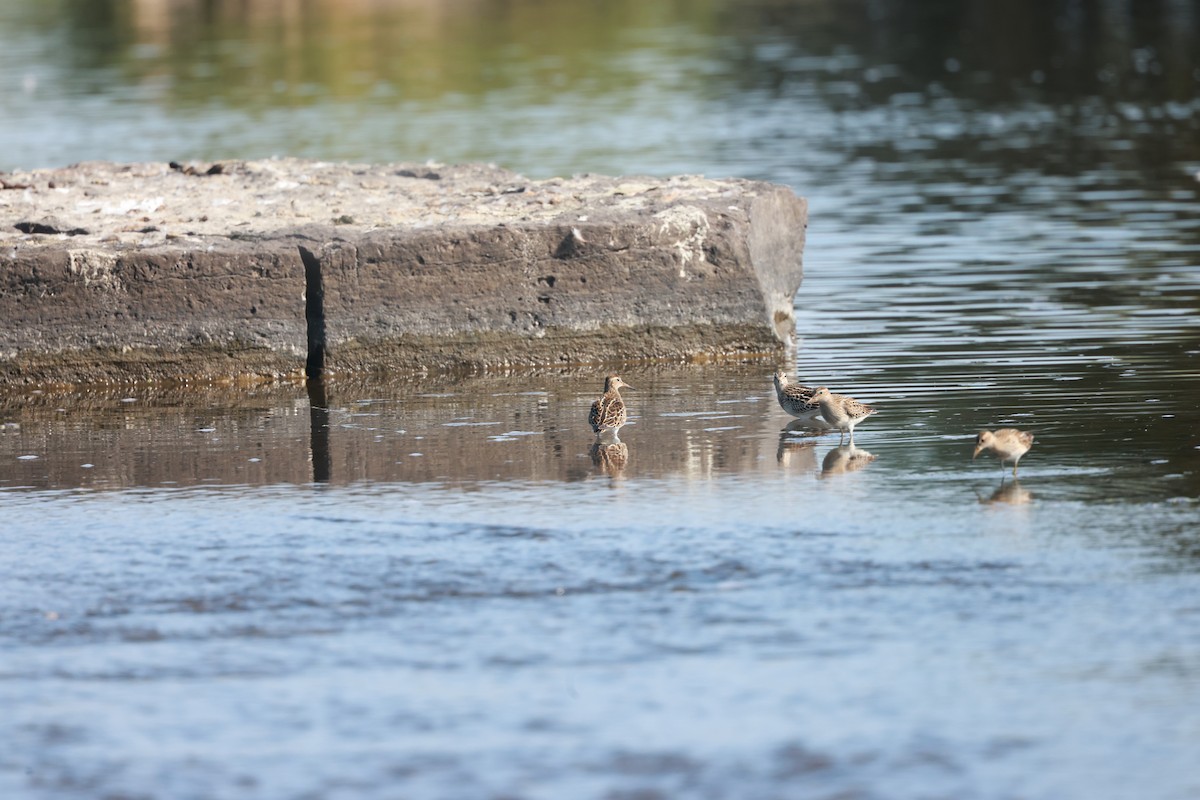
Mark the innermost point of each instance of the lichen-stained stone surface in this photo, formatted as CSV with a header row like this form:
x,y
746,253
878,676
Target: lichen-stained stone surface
x,y
251,270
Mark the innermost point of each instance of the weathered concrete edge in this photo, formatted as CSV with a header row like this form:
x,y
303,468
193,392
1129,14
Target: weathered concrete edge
x,y
83,316
218,363
723,286
698,343
248,365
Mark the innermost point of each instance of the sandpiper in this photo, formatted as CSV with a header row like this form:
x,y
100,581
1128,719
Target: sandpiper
x,y
796,399
840,411
1009,444
608,412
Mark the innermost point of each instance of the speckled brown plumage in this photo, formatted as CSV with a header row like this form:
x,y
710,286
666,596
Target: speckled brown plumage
x,y
608,412
796,399
840,411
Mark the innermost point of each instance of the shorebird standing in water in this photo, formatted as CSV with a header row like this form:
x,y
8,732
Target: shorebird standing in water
x,y
608,412
840,411
1009,444
798,400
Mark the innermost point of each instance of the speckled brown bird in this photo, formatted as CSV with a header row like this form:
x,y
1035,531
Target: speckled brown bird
x,y
1009,444
608,412
797,400
840,411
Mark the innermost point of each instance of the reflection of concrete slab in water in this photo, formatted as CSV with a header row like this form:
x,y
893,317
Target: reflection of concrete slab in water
x,y
342,431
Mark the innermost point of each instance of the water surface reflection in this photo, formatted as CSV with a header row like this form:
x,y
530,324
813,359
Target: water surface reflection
x,y
687,423
1010,492
843,459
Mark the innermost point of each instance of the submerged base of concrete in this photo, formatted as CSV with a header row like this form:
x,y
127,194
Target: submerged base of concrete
x,y
257,270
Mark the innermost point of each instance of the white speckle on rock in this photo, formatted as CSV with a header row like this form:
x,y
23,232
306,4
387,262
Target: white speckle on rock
x,y
690,225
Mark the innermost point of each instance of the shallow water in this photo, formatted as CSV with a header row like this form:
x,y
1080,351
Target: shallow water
x,y
443,587
437,587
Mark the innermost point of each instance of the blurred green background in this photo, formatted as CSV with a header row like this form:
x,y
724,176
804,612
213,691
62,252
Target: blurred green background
x,y
563,86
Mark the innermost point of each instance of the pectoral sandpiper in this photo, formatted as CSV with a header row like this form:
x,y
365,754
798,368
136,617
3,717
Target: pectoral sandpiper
x,y
608,412
840,411
1009,444
796,399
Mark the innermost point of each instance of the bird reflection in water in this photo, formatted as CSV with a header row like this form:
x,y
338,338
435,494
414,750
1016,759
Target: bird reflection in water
x,y
843,459
1009,492
610,454
796,453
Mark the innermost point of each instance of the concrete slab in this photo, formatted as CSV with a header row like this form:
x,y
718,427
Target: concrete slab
x,y
251,270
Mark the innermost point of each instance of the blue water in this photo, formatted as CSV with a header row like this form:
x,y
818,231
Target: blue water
x,y
579,650
435,587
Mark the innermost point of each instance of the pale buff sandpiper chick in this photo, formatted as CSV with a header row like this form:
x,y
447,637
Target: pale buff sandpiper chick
x,y
1009,444
798,400
840,411
608,412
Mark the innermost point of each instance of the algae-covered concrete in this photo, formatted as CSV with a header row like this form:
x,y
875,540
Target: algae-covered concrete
x,y
246,270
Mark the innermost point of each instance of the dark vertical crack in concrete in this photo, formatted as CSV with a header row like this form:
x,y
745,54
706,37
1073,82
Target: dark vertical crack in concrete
x,y
314,314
